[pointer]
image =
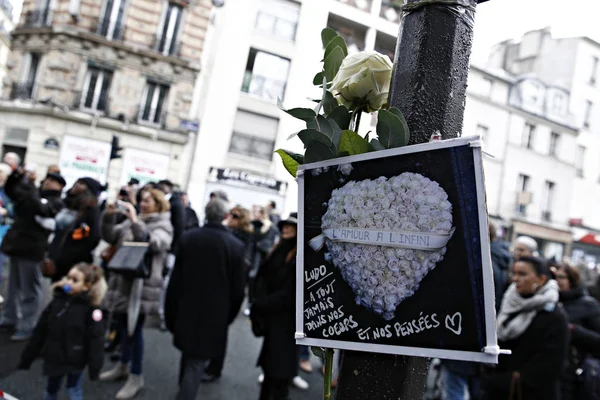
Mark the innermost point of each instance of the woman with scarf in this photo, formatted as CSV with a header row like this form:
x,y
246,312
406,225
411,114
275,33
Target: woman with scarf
x,y
77,228
533,327
152,225
583,312
274,306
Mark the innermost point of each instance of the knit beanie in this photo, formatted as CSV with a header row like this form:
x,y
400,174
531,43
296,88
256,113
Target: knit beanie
x,y
93,185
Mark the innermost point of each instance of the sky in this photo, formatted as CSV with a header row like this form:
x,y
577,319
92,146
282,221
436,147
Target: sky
x,y
498,20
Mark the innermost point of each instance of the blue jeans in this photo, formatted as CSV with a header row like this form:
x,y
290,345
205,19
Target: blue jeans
x,y
455,385
74,389
132,348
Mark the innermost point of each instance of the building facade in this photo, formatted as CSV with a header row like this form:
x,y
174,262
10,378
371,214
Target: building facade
x,y
83,73
6,26
574,64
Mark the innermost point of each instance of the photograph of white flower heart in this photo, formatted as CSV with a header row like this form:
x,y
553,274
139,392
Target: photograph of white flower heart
x,y
385,235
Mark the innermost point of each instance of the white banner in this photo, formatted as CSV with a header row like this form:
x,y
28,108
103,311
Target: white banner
x,y
145,166
409,240
80,157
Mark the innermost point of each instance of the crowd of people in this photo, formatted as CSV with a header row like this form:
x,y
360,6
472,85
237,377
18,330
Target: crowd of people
x,y
115,264
195,279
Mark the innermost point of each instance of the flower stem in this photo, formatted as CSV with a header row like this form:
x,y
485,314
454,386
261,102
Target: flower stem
x,y
328,373
358,114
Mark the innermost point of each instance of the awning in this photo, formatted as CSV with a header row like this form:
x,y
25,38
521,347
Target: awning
x,y
581,235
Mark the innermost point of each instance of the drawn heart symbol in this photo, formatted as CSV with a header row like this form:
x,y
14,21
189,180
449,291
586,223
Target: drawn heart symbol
x,y
454,324
382,276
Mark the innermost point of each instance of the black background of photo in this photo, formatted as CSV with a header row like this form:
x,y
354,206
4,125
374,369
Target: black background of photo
x,y
455,284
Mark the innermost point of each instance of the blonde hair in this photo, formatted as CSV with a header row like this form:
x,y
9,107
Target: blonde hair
x,y
245,220
94,276
162,204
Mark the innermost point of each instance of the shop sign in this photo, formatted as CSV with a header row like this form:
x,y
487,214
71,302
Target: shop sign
x,y
145,166
394,254
245,178
80,157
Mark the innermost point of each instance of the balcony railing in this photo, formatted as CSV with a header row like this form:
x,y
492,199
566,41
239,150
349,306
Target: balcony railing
x,y
263,87
363,5
39,17
22,90
105,27
160,41
102,106
391,11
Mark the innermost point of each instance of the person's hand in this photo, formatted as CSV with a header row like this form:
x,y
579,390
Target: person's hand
x,y
131,213
3,212
31,176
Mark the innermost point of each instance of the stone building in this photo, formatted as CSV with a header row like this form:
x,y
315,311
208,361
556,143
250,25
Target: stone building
x,y
84,72
6,25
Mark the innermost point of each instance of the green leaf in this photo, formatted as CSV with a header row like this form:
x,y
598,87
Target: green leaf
x,y
337,41
329,103
291,161
376,144
318,79
325,126
353,143
310,135
337,133
333,62
399,114
327,35
317,151
318,351
341,116
390,130
305,114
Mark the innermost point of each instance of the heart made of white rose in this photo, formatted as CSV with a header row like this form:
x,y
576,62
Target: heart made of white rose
x,y
384,276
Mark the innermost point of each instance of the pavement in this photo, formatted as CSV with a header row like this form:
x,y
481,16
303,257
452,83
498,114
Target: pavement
x,y
161,363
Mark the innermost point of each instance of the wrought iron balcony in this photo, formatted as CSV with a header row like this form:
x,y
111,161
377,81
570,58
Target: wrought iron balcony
x,y
87,104
39,17
113,30
266,88
22,91
160,42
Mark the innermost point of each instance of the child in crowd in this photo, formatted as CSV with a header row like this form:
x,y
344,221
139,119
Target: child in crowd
x,y
70,332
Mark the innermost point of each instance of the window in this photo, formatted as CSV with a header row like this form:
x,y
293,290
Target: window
x,y
252,146
482,131
278,18
594,70
580,160
554,140
523,194
153,102
558,103
528,136
547,199
111,24
486,87
25,87
354,33
166,40
588,113
41,16
266,75
96,87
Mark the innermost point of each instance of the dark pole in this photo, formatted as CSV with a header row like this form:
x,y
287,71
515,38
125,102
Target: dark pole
x,y
428,84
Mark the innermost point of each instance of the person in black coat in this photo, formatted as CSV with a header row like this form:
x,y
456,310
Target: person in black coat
x,y
533,326
191,218
501,261
204,295
274,304
77,227
26,243
583,311
70,333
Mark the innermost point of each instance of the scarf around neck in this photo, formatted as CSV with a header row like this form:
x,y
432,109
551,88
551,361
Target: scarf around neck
x,y
516,312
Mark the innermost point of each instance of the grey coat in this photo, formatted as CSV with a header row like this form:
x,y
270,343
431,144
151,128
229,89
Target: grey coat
x,y
157,230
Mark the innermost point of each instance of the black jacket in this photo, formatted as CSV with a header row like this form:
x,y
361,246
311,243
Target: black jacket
x,y
27,238
583,311
191,219
249,247
278,356
539,355
75,243
205,291
177,220
67,337
501,261
263,242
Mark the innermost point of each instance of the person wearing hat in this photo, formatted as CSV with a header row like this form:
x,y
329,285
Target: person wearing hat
x,y
77,227
26,243
274,308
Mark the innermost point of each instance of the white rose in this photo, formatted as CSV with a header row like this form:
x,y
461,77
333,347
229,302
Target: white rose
x,y
363,81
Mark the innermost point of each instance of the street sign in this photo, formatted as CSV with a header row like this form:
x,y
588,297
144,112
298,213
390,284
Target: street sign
x,y
189,125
